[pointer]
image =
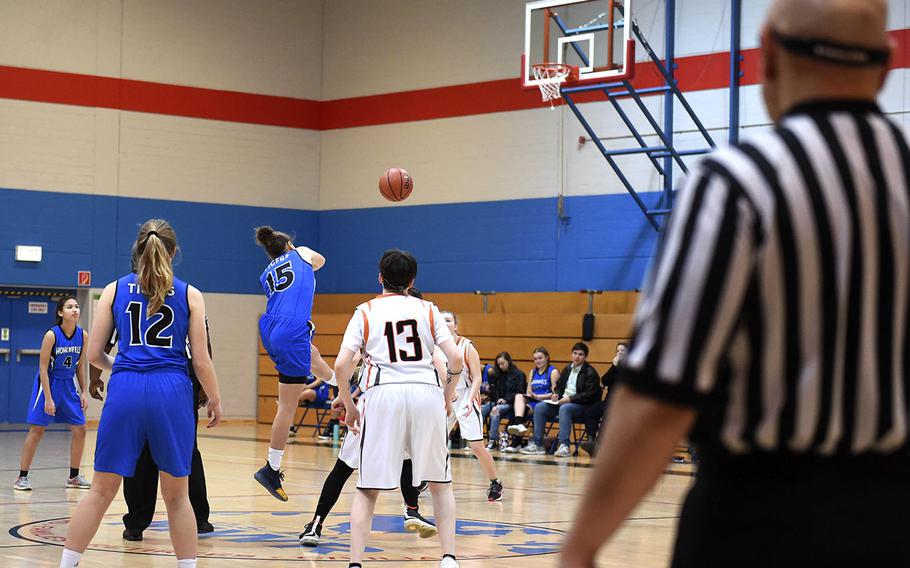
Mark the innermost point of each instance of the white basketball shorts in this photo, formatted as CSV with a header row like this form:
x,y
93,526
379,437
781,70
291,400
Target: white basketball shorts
x,y
399,421
467,414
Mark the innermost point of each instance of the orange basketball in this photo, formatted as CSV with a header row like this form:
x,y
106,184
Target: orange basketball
x,y
396,184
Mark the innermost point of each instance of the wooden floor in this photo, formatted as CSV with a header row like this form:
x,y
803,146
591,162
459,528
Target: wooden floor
x,y
251,527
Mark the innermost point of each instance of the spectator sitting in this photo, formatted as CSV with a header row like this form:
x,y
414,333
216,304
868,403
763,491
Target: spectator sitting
x,y
596,412
543,379
578,388
506,382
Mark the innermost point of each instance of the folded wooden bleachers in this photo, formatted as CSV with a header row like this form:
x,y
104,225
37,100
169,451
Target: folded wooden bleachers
x,y
515,322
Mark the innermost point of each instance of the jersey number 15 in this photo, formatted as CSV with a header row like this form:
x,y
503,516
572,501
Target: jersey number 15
x,y
280,279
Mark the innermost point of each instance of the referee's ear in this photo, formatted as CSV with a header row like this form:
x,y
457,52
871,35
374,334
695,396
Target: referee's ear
x,y
769,73
892,47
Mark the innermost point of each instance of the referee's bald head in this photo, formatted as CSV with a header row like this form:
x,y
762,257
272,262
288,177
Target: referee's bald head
x,y
837,49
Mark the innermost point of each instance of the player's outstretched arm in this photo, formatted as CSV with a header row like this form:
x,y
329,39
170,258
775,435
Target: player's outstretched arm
x,y
315,259
202,361
641,435
102,327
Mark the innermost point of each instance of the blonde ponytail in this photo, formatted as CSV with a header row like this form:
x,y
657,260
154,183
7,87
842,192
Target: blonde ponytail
x,y
155,246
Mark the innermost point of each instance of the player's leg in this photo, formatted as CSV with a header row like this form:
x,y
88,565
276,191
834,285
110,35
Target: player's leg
x,y
318,367
181,521
331,491
384,422
32,439
413,520
444,509
427,446
289,391
471,426
75,480
361,521
88,514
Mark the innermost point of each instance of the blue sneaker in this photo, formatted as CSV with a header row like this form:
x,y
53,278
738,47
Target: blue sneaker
x,y
271,480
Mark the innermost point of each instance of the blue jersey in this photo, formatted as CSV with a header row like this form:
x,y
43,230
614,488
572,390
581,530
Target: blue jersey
x,y
65,354
289,283
540,382
150,343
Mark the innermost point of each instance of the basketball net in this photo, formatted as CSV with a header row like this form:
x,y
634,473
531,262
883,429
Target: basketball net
x,y
551,77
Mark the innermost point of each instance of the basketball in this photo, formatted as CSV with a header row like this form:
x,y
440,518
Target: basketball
x,y
396,184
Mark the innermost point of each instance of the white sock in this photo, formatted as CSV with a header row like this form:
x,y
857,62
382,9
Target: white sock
x,y
187,563
275,458
70,559
334,380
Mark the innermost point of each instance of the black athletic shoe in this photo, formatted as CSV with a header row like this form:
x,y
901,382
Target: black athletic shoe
x,y
311,534
423,487
414,522
271,480
495,492
131,535
204,528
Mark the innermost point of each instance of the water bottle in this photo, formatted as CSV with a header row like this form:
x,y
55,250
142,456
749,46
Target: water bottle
x,y
503,441
335,433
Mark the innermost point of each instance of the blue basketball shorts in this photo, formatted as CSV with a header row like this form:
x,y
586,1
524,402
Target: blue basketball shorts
x,y
156,407
66,401
287,341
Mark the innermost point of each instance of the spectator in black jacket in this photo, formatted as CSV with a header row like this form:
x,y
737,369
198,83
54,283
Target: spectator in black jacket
x,y
506,382
577,389
596,412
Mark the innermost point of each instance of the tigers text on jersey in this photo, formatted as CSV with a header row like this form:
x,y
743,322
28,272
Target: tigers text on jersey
x,y
398,335
156,342
289,283
65,355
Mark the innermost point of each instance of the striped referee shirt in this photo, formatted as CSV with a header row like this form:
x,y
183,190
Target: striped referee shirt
x,y
777,306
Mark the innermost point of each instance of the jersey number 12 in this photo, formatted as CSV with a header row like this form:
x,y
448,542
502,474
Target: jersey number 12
x,y
152,336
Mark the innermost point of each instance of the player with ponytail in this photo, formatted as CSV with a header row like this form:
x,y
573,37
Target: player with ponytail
x,y
287,332
150,394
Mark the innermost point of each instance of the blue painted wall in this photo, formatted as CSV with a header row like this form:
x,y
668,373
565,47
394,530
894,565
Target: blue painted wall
x,y
602,242
92,232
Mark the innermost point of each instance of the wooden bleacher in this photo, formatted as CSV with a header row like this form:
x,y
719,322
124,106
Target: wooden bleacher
x,y
516,322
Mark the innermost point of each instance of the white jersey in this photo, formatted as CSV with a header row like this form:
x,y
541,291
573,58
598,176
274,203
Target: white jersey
x,y
398,335
464,379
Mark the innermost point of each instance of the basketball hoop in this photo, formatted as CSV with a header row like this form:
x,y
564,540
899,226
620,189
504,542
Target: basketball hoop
x,y
551,77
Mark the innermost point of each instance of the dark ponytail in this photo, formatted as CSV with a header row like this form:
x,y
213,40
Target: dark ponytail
x,y
274,242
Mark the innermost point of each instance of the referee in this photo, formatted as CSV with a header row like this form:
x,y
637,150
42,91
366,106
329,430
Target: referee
x,y
774,329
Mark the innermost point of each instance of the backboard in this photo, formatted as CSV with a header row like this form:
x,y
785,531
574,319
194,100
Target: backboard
x,y
593,35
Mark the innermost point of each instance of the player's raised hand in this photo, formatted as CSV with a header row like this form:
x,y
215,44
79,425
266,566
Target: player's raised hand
x,y
213,409
352,419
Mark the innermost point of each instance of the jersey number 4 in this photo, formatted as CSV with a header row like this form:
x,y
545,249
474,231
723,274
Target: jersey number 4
x,y
159,324
280,279
413,338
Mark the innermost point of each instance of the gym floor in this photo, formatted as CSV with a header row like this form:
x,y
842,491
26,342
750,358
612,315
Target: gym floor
x,y
252,527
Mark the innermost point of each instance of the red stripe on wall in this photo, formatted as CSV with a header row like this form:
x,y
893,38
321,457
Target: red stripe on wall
x,y
157,98
695,73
